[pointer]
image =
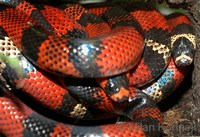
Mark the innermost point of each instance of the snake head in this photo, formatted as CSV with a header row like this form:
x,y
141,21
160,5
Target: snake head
x,y
183,51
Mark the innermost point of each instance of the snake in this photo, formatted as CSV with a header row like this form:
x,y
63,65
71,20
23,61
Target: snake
x,y
75,60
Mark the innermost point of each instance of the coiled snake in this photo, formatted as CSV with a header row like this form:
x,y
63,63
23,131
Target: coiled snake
x,y
74,59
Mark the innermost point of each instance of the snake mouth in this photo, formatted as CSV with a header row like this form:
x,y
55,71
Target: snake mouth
x,y
183,60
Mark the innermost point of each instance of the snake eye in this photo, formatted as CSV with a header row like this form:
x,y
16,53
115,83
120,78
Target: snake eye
x,y
183,51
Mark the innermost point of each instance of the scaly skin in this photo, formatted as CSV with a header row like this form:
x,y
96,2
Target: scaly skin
x,y
68,41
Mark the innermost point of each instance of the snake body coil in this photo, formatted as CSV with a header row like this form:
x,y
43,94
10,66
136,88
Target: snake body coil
x,y
100,54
